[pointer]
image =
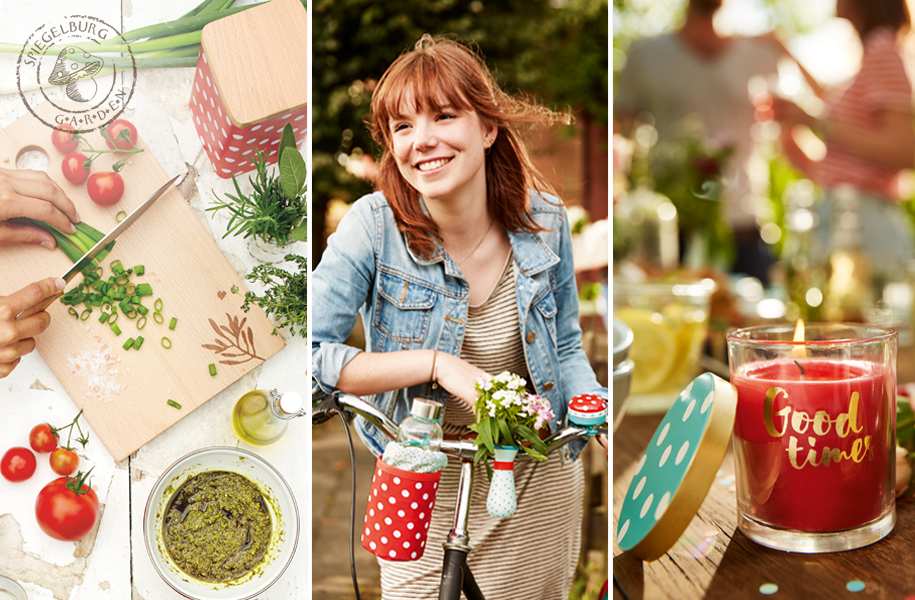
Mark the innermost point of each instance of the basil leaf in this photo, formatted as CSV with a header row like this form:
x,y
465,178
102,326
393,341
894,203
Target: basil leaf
x,y
292,174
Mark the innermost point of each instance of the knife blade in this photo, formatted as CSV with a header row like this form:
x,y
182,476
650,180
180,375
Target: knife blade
x,y
89,256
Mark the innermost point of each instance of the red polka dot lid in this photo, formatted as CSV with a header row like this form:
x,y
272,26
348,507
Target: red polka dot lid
x,y
587,409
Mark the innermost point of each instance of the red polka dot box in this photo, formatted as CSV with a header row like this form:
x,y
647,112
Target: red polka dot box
x,y
398,512
251,80
587,410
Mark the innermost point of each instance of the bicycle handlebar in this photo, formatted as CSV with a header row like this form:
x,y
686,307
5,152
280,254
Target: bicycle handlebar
x,y
338,401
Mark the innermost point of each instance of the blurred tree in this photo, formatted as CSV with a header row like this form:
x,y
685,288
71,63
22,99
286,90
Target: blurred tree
x,y
557,50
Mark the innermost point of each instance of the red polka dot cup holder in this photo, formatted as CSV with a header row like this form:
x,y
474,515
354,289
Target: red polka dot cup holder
x,y
587,410
398,512
227,145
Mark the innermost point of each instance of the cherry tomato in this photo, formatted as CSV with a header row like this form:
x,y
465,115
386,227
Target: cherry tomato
x,y
41,439
114,130
64,461
64,139
17,464
64,514
74,167
105,188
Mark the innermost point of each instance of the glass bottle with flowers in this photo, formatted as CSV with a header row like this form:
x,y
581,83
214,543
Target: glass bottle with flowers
x,y
508,420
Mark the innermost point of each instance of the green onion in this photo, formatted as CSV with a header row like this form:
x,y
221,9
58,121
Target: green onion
x,y
85,314
114,327
172,323
158,318
128,344
103,317
212,370
166,343
73,312
141,322
113,317
138,342
75,245
174,404
158,304
142,309
144,289
122,214
139,270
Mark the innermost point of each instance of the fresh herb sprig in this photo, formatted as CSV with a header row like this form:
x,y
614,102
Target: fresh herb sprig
x,y
285,296
275,210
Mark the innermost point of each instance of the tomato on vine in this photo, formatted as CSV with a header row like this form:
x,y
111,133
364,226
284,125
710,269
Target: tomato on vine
x,y
64,138
17,464
43,438
75,167
64,461
121,134
105,188
67,508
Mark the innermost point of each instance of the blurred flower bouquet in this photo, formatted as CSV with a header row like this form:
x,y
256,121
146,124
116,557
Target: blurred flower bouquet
x,y
689,170
509,416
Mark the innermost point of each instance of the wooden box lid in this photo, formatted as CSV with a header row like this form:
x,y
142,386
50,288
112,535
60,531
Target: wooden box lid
x,y
258,58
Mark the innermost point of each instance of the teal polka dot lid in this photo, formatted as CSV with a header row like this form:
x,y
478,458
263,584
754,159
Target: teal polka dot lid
x,y
677,469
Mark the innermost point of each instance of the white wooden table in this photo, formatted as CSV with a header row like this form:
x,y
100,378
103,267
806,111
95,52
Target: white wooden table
x,y
111,563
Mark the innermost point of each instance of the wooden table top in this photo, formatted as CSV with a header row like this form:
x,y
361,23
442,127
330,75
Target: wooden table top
x,y
713,559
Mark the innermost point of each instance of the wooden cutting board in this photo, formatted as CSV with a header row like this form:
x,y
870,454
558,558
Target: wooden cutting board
x,y
124,393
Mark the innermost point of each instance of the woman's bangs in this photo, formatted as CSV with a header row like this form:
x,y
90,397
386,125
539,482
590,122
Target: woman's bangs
x,y
423,84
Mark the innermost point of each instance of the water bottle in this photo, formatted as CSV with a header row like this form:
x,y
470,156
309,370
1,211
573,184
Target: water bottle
x,y
421,428
261,418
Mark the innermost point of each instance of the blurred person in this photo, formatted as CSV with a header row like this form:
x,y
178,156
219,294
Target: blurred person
x,y
697,72
460,265
28,194
869,137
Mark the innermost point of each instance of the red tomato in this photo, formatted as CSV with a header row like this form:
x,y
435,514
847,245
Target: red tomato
x,y
64,461
17,464
64,514
74,167
105,188
42,439
114,130
64,139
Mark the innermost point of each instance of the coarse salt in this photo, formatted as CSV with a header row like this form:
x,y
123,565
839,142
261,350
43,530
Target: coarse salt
x,y
97,366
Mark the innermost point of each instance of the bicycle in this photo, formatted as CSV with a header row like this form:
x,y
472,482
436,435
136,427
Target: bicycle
x,y
456,574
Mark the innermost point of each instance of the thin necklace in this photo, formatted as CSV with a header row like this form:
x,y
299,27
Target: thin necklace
x,y
491,221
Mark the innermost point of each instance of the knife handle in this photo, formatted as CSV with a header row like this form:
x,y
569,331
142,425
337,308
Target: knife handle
x,y
40,306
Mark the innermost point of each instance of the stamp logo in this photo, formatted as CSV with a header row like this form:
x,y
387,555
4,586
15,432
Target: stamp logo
x,y
67,53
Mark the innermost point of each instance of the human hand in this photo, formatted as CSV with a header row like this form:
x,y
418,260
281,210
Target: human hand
x,y
33,194
457,376
16,336
790,114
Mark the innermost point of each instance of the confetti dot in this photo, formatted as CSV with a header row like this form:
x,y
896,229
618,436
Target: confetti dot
x,y
638,487
689,410
663,434
682,453
768,589
855,585
665,455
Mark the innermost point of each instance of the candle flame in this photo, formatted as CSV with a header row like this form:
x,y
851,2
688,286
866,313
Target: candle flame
x,y
799,351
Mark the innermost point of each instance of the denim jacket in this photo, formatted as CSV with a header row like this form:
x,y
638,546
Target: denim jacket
x,y
408,302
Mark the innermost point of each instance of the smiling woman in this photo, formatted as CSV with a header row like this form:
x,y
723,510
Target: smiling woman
x,y
460,265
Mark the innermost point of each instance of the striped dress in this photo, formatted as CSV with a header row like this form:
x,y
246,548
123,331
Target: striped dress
x,y
532,555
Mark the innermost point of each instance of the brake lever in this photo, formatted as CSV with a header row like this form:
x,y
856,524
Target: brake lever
x,y
325,410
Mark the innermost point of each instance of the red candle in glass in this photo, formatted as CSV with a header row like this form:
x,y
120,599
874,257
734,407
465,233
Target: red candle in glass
x,y
814,436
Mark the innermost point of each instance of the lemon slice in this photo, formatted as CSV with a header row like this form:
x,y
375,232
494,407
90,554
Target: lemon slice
x,y
653,350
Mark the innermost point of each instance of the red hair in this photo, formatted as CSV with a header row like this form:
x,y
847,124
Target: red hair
x,y
441,72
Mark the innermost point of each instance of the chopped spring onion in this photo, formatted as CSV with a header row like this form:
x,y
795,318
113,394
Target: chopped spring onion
x,y
174,404
212,370
139,270
141,322
142,309
138,342
113,316
85,314
144,289
158,304
103,317
131,288
114,328
158,318
172,323
166,343
73,312
128,344
122,214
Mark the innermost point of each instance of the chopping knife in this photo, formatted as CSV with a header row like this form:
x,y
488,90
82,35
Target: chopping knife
x,y
89,256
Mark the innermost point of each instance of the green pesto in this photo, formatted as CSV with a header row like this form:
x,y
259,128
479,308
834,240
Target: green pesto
x,y
217,526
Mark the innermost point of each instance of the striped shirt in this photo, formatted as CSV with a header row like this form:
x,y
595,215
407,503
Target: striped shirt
x,y
881,84
532,555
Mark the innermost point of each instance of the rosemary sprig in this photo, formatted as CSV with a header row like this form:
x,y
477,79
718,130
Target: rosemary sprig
x,y
268,213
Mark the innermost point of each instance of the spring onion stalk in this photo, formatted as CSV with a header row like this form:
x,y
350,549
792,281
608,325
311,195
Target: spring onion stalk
x,y
75,245
128,344
138,342
174,404
115,328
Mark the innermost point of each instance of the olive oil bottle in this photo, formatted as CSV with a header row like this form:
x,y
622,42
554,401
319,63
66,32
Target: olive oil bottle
x,y
261,418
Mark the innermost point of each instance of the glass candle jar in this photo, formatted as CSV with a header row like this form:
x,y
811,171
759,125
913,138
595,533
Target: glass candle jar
x,y
815,434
